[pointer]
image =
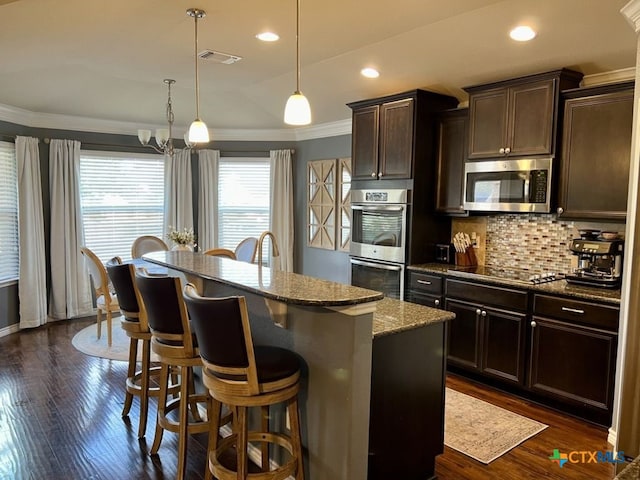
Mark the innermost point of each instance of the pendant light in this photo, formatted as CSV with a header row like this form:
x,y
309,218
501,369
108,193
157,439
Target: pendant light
x,y
198,132
297,111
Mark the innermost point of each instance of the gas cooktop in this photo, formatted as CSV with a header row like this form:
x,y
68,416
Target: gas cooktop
x,y
514,274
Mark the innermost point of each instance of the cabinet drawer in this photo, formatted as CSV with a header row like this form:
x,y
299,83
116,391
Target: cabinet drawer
x,y
421,282
433,301
487,295
601,316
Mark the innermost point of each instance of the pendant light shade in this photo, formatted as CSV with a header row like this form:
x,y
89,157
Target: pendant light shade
x,y
198,131
297,110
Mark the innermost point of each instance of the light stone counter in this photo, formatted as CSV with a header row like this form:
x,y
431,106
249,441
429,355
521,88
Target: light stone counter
x,y
394,316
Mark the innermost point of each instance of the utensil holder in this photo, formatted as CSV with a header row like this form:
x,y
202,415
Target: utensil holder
x,y
467,258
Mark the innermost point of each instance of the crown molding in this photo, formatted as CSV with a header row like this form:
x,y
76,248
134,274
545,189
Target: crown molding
x,y
622,75
631,12
28,118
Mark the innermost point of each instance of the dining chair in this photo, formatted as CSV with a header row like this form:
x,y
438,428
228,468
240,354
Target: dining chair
x,y
221,252
146,244
246,250
106,302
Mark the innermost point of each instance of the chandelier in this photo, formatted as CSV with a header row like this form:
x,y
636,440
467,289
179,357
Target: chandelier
x,y
164,137
297,111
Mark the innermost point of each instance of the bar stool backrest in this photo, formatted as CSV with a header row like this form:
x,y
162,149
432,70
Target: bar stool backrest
x,y
165,311
123,281
222,328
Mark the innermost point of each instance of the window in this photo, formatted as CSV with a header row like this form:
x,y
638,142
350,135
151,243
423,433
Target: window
x,y
8,213
243,199
122,198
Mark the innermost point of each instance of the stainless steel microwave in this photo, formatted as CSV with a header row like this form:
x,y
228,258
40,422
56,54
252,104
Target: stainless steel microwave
x,y
522,185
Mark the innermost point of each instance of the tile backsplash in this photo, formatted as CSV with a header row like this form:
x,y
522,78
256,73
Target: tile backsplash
x,y
536,242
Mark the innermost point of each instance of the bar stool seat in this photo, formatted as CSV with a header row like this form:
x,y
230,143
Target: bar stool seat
x,y
173,342
242,375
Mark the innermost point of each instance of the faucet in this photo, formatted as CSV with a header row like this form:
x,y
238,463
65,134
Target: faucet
x,y
274,246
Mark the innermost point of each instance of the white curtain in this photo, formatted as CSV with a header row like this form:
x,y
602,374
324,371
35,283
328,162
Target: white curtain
x,y
178,204
70,287
281,221
208,197
32,286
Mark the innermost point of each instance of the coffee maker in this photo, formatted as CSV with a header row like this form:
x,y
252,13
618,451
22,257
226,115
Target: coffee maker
x,y
599,259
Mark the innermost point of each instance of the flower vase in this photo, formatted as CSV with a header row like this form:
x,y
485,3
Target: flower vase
x,y
182,247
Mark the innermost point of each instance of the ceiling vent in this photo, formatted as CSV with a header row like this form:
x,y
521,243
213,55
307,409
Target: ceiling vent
x,y
219,57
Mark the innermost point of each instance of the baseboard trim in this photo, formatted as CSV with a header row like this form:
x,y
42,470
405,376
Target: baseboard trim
x,y
612,438
9,330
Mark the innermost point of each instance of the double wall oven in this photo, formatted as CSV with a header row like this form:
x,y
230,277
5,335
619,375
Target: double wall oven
x,y
378,239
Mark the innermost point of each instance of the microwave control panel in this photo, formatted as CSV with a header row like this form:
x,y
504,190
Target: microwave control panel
x,y
538,186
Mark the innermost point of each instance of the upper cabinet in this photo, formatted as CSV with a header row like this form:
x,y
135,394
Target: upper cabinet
x,y
596,152
517,117
452,152
391,135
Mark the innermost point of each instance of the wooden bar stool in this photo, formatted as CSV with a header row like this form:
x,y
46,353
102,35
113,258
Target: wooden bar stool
x,y
135,325
242,376
173,342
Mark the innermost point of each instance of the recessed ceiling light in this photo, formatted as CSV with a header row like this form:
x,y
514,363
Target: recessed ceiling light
x,y
522,33
268,37
370,72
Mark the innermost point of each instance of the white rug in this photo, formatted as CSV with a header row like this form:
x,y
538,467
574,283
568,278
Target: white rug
x,y
482,430
87,342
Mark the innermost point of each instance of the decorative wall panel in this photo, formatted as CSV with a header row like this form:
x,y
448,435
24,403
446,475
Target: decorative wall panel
x,y
321,204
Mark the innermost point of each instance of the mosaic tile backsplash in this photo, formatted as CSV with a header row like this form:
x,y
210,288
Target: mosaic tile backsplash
x,y
536,242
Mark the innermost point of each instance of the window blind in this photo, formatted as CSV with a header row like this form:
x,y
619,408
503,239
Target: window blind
x,y
243,199
122,198
9,247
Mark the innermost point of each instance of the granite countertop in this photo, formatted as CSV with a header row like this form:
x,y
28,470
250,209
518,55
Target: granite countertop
x,y
393,316
290,288
558,287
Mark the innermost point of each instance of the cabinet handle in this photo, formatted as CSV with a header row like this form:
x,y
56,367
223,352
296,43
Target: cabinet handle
x,y
436,302
373,174
379,174
424,282
560,210
573,310
533,324
501,151
507,150
483,313
478,311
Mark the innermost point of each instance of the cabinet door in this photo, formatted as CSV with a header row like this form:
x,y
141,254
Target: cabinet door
x,y
530,118
487,123
573,363
452,151
463,335
396,139
433,301
596,156
364,147
503,344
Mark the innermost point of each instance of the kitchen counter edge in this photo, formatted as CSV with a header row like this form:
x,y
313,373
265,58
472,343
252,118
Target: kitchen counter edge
x,y
394,316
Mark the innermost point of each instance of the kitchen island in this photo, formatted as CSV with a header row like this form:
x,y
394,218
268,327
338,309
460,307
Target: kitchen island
x,y
372,396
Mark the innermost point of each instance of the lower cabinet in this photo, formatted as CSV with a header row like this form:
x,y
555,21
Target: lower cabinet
x,y
487,340
573,352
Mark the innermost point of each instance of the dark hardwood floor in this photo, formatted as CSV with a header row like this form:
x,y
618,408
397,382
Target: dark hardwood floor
x,y
60,419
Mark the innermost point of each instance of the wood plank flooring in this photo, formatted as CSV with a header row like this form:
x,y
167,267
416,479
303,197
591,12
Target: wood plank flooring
x,y
60,418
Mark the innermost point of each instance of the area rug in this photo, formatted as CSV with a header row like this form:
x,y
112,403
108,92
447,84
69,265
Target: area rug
x,y
481,430
87,342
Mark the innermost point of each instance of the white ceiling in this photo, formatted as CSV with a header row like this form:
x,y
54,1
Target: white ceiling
x,y
107,60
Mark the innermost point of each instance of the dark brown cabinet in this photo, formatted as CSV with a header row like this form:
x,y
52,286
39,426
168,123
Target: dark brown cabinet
x,y
488,333
517,117
425,289
452,152
573,353
596,152
390,134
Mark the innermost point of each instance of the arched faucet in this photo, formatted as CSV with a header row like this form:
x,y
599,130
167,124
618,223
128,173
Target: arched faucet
x,y
274,245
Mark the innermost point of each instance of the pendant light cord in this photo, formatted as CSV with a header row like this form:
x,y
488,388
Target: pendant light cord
x,y
195,17
298,46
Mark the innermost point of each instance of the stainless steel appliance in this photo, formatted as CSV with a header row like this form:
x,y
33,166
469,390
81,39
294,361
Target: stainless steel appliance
x,y
522,185
599,261
378,239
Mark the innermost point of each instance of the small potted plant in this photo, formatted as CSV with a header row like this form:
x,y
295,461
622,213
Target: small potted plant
x,y
182,239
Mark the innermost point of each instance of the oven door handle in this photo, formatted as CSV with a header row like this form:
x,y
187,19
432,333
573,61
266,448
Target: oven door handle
x,y
382,208
393,268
